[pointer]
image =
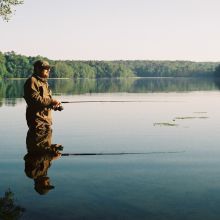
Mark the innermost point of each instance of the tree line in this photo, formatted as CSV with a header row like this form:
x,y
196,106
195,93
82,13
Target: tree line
x,y
13,65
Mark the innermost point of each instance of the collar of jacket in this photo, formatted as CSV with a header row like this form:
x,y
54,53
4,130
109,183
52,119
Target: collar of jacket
x,y
40,78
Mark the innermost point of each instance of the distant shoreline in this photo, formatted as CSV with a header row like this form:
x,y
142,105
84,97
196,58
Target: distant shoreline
x,y
18,67
132,77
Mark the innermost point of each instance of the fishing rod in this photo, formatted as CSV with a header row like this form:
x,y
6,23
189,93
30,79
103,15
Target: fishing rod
x,y
120,153
60,108
117,101
87,101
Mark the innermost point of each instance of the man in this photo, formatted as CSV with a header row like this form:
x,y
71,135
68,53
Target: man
x,y
39,98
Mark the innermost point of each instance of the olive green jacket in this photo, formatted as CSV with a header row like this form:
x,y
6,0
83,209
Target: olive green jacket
x,y
38,97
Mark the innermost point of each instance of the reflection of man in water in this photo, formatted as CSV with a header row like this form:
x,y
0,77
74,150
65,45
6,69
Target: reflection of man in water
x,y
38,97
39,157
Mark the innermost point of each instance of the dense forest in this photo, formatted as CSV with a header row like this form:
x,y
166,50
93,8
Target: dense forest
x,y
13,65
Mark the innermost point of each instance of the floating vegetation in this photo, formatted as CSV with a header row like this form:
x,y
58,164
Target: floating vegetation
x,y
165,124
190,117
200,112
181,118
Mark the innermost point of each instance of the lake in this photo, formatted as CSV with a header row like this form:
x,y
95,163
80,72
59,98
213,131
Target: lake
x,y
168,140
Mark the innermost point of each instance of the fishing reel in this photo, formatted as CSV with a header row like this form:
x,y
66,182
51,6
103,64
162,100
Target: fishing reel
x,y
58,108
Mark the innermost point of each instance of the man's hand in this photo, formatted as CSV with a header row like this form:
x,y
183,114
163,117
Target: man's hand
x,y
55,103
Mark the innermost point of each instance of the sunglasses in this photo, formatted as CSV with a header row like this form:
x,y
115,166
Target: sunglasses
x,y
46,68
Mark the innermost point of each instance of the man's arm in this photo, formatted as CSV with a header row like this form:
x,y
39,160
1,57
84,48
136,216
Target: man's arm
x,y
32,94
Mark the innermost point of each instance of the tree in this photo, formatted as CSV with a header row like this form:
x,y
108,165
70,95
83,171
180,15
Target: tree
x,y
6,8
61,69
8,208
3,70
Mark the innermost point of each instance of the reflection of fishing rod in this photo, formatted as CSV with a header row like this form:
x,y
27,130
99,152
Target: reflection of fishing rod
x,y
109,154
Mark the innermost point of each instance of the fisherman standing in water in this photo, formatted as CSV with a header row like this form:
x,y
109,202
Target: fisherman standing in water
x,y
39,98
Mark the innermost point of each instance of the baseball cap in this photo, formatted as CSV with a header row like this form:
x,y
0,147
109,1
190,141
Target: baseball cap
x,y
42,64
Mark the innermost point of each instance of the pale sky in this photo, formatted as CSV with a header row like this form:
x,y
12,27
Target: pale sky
x,y
115,30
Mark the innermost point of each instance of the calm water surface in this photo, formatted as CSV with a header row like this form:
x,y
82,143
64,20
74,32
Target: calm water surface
x,y
178,177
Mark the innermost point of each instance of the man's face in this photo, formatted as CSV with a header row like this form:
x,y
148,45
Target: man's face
x,y
45,73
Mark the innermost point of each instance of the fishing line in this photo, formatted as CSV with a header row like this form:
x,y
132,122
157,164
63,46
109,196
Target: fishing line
x,y
122,153
117,101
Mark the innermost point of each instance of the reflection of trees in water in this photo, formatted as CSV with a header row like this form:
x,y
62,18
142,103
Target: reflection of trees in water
x,y
83,86
217,82
173,85
10,90
8,209
132,85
